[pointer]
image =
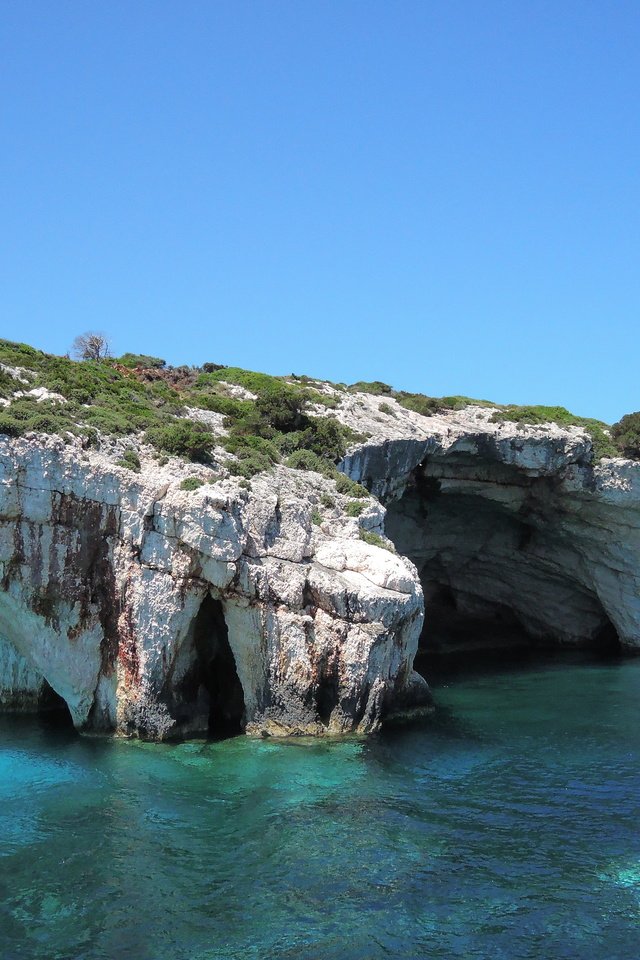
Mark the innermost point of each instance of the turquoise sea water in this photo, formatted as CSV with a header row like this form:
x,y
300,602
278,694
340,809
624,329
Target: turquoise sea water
x,y
504,827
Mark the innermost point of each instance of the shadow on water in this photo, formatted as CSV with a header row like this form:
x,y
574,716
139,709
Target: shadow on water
x,y
440,668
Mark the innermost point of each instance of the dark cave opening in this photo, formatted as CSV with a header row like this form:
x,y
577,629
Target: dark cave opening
x,y
501,578
327,697
208,699
53,710
218,670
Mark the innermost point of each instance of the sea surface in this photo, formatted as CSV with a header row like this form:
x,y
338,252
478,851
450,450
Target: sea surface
x,y
506,826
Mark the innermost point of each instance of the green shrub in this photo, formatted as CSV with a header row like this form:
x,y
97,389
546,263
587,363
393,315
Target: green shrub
x,y
130,460
308,460
419,403
324,399
375,540
626,434
281,407
345,485
355,508
326,437
385,408
535,415
108,421
323,436
141,360
249,463
9,384
26,414
183,438
602,444
460,403
218,403
249,379
376,387
316,518
10,427
326,500
427,406
243,446
191,483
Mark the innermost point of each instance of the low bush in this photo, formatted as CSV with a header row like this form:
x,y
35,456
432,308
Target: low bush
x,y
183,438
352,489
130,460
375,540
191,483
141,360
244,445
8,384
10,427
376,387
419,403
26,414
427,406
626,435
281,407
307,460
249,463
218,403
354,508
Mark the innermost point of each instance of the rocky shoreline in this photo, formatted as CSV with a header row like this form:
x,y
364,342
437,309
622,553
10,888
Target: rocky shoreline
x,y
268,607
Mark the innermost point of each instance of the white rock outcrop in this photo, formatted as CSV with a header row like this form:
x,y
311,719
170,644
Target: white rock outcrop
x,y
508,522
106,573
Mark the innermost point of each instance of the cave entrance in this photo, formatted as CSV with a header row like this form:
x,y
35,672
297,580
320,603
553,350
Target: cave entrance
x,y
218,670
500,575
205,694
53,710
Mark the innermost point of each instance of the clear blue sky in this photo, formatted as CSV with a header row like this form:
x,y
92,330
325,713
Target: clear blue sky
x,y
441,194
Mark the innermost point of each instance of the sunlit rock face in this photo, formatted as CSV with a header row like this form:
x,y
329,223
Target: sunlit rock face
x,y
157,612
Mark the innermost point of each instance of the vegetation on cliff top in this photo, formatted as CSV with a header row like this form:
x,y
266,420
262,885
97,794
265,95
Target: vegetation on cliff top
x,y
621,439
267,419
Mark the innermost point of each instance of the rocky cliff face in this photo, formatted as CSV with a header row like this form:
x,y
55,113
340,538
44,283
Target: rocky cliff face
x,y
510,527
158,612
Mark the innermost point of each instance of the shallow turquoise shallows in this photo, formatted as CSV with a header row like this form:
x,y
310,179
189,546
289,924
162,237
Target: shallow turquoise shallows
x,y
505,827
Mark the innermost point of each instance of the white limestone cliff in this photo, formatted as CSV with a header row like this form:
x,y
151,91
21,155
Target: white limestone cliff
x,y
133,600
104,575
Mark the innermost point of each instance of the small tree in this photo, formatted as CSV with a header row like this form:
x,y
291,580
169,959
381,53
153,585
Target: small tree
x,y
91,346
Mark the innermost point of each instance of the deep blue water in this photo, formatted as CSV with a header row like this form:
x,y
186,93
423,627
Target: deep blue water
x,y
504,827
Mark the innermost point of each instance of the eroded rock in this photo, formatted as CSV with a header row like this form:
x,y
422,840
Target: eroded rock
x,y
158,612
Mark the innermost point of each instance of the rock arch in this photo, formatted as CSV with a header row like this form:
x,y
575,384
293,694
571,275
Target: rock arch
x,y
502,558
23,689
